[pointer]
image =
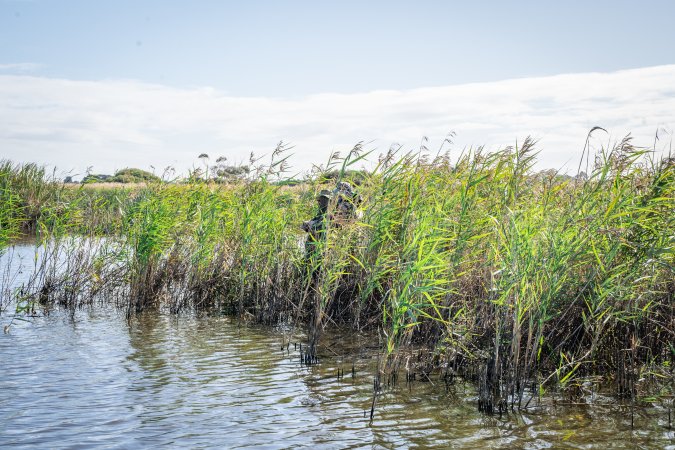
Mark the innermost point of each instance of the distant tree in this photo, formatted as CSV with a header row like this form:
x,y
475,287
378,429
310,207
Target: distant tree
x,y
68,179
230,174
288,182
128,175
96,178
131,175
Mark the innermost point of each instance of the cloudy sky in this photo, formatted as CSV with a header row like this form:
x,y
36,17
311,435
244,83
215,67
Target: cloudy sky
x,y
156,83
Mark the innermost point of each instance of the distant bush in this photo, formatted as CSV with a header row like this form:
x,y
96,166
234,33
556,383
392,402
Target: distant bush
x,y
96,178
289,182
128,175
131,175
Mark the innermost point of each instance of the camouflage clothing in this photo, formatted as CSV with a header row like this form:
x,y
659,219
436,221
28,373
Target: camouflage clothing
x,y
316,227
344,202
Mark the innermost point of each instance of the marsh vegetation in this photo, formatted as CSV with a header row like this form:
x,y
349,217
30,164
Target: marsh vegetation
x,y
478,268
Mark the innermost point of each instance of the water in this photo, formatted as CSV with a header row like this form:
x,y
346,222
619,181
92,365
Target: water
x,y
94,380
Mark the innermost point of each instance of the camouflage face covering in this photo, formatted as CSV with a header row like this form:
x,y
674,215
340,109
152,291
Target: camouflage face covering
x,y
344,188
344,193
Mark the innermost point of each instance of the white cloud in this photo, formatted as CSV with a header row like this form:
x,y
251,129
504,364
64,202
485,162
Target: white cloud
x,y
20,67
111,124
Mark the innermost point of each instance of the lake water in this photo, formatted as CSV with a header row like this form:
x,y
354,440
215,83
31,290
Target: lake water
x,y
92,379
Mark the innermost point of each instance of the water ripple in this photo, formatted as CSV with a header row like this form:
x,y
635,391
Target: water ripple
x,y
94,380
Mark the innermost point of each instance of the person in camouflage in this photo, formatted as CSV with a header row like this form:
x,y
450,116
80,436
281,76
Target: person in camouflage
x,y
336,207
316,227
342,203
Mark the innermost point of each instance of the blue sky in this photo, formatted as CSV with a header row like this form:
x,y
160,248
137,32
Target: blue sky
x,y
235,63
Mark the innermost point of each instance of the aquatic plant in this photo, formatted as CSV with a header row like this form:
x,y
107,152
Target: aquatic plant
x,y
519,280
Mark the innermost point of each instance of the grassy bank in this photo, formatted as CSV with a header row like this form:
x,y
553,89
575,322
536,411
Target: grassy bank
x,y
516,279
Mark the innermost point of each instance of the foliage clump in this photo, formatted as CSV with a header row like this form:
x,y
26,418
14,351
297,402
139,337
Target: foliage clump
x,y
96,178
131,175
128,175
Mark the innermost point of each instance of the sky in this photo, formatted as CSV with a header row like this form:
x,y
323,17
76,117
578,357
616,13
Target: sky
x,y
107,85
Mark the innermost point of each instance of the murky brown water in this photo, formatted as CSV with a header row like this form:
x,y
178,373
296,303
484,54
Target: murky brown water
x,y
94,380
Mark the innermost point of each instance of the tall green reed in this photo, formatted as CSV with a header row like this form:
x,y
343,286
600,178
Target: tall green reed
x,y
521,280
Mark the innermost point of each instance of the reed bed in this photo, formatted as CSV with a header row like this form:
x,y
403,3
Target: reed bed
x,y
518,280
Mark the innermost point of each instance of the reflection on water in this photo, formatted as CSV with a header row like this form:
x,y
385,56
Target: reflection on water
x,y
207,382
96,380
